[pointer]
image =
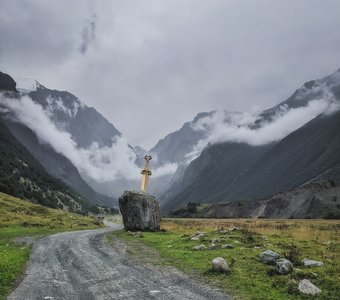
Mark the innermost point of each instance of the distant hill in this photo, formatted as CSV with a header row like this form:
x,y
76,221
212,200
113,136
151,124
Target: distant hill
x,y
314,200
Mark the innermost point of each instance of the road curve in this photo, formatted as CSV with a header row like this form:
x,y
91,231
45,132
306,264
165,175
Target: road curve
x,y
82,265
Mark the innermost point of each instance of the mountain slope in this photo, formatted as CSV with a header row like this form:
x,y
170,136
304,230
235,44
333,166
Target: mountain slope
x,y
241,172
176,145
84,123
22,176
54,163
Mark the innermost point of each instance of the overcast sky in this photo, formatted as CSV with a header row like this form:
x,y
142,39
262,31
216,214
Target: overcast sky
x,y
149,66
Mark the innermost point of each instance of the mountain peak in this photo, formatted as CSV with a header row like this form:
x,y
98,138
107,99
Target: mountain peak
x,y
27,85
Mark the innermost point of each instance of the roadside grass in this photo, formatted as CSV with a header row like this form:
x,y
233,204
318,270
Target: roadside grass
x,y
22,222
249,278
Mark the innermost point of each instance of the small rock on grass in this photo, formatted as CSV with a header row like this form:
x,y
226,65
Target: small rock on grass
x,y
138,234
228,246
312,263
220,265
269,257
197,236
212,246
308,288
199,247
283,266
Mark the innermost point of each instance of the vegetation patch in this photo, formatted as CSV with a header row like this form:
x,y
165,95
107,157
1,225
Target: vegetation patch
x,y
22,222
248,277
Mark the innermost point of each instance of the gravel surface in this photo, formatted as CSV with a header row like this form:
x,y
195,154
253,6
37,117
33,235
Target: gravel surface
x,y
82,265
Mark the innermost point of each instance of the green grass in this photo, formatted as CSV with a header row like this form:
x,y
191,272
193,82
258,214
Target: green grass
x,y
250,279
19,219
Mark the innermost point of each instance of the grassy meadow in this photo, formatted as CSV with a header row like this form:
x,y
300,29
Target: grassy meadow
x,y
22,222
249,278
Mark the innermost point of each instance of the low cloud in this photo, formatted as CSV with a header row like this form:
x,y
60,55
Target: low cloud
x,y
239,127
100,163
88,34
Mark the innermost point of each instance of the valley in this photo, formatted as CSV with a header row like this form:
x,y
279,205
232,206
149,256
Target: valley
x,y
169,150
248,278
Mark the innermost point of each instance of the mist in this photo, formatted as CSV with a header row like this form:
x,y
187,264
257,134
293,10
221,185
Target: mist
x,y
239,127
99,163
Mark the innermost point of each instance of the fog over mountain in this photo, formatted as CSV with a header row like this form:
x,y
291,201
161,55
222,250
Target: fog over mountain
x,y
108,162
150,66
100,159
203,86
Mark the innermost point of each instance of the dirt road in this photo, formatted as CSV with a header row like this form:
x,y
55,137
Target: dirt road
x,y
82,265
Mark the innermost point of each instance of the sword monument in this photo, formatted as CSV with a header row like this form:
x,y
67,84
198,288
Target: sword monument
x,y
146,173
140,210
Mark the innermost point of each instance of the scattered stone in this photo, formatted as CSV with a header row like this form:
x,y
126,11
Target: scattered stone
x,y
199,247
197,236
184,236
138,234
269,257
140,211
308,288
198,233
154,293
233,228
220,265
312,263
218,240
283,266
99,219
228,246
212,246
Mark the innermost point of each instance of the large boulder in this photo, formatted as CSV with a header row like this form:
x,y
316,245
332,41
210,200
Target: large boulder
x,y
140,211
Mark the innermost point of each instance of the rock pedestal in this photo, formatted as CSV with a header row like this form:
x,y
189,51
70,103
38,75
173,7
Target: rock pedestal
x,y
140,211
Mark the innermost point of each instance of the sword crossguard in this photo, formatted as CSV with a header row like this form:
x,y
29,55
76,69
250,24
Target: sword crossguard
x,y
146,172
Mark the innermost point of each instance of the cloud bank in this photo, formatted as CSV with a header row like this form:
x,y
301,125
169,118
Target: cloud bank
x,y
100,163
239,127
165,61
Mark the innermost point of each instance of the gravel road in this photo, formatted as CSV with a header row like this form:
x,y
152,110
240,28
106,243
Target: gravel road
x,y
83,265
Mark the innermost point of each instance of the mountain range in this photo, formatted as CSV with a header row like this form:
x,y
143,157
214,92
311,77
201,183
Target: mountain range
x,y
234,171
218,157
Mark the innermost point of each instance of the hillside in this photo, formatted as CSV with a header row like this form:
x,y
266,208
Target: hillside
x,y
22,223
85,124
313,200
54,163
22,176
231,172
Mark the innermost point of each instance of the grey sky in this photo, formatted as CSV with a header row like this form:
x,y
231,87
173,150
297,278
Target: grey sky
x,y
149,66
